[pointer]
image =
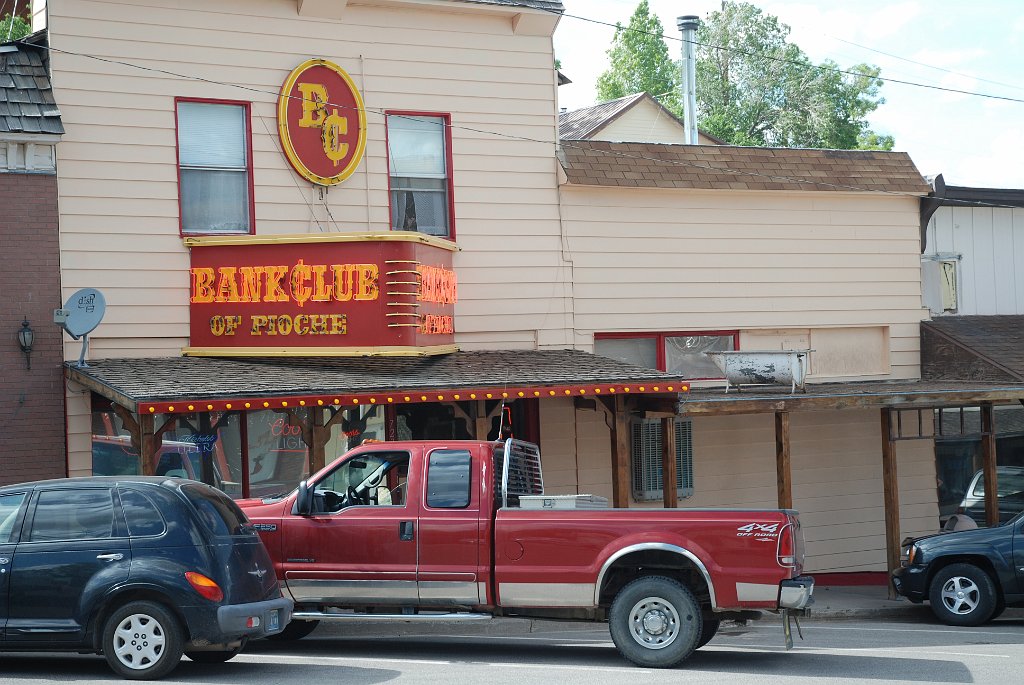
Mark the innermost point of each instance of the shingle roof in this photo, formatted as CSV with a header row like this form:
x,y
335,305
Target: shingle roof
x,y
172,379
996,342
580,123
26,97
549,5
657,165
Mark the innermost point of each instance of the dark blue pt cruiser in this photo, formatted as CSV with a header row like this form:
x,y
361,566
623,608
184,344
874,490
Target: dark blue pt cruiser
x,y
139,569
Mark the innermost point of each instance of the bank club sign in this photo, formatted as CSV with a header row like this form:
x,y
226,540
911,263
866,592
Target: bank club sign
x,y
321,294
322,122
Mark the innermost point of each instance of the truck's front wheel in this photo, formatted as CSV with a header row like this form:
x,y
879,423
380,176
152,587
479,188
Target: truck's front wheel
x,y
655,622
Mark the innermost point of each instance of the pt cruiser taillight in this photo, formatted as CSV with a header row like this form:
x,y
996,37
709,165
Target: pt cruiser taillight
x,y
204,586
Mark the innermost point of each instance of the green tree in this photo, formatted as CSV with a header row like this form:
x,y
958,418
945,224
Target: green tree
x,y
754,87
15,26
640,62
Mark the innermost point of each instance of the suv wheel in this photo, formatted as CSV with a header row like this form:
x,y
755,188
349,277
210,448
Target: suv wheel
x,y
142,641
963,595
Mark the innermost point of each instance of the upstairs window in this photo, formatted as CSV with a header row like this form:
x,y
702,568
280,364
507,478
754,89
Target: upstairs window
x,y
681,354
214,167
419,168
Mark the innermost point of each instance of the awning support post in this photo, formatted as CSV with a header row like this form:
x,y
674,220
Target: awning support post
x,y
988,465
891,497
620,454
783,467
143,436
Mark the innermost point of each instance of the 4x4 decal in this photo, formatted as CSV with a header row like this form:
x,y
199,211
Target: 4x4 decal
x,y
758,530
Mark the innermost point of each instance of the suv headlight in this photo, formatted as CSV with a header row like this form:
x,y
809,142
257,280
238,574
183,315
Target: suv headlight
x,y
911,554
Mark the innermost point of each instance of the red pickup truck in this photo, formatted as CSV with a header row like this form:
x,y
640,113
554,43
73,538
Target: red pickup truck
x,y
462,530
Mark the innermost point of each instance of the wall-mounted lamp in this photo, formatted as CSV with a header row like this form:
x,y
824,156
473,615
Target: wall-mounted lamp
x,y
26,336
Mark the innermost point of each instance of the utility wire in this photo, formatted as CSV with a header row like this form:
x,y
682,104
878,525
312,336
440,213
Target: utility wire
x,y
805,65
525,139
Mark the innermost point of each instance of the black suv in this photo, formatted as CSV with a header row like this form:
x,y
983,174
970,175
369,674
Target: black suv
x,y
140,569
969,576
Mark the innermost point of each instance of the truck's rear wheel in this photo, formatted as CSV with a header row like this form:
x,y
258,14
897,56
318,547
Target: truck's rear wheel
x,y
296,630
655,622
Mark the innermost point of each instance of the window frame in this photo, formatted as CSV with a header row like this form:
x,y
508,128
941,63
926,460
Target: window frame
x,y
684,460
660,336
247,109
448,163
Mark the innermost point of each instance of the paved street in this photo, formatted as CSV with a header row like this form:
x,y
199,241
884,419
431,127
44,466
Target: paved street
x,y
837,651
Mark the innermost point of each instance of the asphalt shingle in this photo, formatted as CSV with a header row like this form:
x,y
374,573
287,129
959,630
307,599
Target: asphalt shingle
x,y
726,167
26,95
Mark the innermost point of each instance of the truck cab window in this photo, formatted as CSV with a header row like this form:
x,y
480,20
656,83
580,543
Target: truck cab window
x,y
374,479
448,478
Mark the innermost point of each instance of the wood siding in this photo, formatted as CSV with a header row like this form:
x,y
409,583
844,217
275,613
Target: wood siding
x,y
118,181
687,260
837,480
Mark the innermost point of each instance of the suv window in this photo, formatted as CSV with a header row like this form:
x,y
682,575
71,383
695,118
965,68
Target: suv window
x,y
73,515
142,515
217,511
10,505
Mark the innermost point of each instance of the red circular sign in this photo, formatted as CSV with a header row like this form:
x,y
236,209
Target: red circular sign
x,y
322,122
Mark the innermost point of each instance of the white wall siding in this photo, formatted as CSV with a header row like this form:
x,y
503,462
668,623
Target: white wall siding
x,y
990,243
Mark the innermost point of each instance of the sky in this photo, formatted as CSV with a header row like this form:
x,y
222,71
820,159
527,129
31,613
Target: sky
x,y
976,47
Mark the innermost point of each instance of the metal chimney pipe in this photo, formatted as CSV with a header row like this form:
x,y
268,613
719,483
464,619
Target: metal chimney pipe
x,y
688,25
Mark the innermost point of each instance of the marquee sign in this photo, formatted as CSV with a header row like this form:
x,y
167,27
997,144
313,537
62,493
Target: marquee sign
x,y
335,294
322,122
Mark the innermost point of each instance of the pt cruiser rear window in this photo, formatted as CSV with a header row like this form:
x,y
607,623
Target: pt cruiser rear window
x,y
217,511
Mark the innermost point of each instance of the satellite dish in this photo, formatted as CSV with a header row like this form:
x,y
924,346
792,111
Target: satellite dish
x,y
82,313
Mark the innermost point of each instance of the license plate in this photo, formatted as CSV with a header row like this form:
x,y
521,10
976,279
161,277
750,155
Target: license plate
x,y
274,621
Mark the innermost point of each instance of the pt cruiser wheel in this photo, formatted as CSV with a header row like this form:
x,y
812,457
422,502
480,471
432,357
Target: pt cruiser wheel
x,y
655,622
963,595
142,641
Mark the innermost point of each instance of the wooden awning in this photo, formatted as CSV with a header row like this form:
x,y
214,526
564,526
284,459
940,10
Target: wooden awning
x,y
175,385
863,395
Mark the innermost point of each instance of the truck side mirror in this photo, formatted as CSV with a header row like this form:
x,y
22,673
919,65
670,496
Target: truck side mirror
x,y
304,500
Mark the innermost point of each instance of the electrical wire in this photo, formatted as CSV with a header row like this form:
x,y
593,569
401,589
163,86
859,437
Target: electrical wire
x,y
805,65
526,139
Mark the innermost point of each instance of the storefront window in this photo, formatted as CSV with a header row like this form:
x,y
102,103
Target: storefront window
x,y
204,446
430,422
278,456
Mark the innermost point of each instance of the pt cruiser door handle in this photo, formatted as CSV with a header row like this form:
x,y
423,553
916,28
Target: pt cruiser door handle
x,y
110,557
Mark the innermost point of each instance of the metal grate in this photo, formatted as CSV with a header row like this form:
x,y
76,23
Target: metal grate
x,y
646,454
517,471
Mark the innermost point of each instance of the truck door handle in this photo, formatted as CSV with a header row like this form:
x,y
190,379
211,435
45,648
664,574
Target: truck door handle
x,y
117,556
405,530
